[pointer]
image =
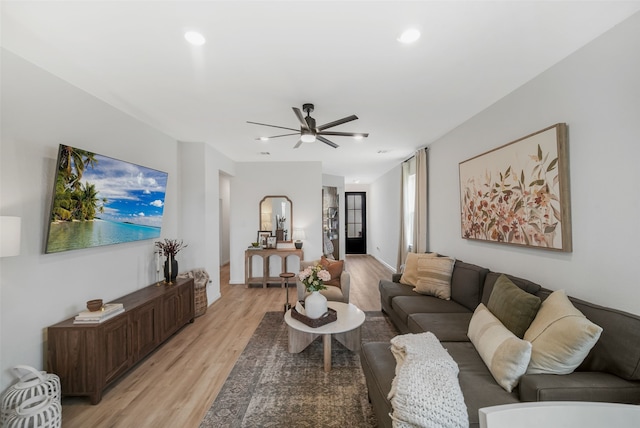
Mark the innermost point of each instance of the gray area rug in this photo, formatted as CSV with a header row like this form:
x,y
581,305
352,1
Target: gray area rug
x,y
269,387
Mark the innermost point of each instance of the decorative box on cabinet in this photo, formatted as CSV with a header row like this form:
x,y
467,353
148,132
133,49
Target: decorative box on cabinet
x,y
88,357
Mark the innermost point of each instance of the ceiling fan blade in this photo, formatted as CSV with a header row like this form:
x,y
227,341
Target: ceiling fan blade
x,y
303,123
297,144
345,134
281,135
328,142
273,126
337,122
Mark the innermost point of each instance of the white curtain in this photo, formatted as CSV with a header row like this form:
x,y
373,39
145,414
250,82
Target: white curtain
x,y
420,237
413,211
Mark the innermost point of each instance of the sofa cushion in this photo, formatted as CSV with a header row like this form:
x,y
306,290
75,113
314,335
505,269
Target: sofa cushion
x,y
389,290
478,385
446,327
415,304
412,266
506,356
620,330
514,307
492,277
561,336
434,277
579,386
379,367
467,281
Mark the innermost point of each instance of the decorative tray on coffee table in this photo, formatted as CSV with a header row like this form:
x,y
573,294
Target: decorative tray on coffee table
x,y
330,316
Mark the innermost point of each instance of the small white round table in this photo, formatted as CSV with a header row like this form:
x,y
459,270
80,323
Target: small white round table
x,y
346,330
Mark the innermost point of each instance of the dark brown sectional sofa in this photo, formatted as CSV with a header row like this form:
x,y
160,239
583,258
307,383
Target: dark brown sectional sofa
x,y
610,373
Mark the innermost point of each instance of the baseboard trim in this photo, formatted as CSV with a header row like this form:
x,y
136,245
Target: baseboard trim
x,y
392,268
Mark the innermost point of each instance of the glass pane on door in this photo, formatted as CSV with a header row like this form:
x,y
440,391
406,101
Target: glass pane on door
x,y
356,222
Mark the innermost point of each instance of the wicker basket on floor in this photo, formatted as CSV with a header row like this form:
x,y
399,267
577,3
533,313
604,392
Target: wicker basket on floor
x,y
201,301
200,281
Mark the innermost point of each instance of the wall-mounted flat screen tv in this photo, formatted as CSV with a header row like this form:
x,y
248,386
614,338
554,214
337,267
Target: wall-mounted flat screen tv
x,y
98,200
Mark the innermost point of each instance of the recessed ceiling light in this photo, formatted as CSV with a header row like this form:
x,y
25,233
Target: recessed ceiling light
x,y
264,138
265,153
358,137
356,181
194,38
409,36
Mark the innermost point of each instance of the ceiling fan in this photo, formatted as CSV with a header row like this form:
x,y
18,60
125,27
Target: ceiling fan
x,y
309,132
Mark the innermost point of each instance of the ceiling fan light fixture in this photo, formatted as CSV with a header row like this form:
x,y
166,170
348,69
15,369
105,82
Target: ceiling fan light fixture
x,y
409,36
307,138
195,38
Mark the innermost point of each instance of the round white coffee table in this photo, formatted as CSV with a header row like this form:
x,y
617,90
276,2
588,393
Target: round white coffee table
x,y
346,330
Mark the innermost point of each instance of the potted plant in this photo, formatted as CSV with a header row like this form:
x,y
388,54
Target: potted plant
x,y
169,248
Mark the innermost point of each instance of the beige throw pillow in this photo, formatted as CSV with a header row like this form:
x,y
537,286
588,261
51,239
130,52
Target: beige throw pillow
x,y
434,276
503,353
561,336
410,273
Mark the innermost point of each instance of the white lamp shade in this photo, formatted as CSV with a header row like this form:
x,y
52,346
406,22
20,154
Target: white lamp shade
x,y
9,236
298,234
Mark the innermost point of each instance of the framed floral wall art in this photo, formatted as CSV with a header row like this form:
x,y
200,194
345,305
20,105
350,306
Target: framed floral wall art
x,y
518,193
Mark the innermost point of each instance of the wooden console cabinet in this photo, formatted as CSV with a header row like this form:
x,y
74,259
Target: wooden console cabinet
x,y
265,254
88,357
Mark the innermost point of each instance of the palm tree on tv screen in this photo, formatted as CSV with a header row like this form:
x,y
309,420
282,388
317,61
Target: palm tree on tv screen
x,y
75,200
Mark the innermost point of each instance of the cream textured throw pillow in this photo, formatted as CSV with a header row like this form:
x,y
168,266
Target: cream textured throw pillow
x,y
410,273
506,356
434,277
561,336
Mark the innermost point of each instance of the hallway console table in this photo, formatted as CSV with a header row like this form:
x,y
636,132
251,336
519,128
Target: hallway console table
x,y
89,357
265,254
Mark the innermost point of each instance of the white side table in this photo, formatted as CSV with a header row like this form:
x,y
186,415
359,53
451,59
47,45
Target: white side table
x,y
566,414
346,330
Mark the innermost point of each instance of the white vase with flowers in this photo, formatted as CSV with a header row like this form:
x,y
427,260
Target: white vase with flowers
x,y
313,277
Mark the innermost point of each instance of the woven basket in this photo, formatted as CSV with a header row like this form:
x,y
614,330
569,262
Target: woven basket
x,y
40,411
31,383
200,297
200,281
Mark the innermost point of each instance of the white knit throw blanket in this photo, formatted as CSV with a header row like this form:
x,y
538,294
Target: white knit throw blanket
x,y
425,391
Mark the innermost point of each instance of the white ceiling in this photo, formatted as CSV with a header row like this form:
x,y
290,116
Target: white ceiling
x,y
264,57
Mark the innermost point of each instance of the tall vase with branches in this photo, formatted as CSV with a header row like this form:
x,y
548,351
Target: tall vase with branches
x,y
169,248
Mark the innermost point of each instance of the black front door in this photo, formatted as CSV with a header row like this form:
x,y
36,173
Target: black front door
x,y
356,224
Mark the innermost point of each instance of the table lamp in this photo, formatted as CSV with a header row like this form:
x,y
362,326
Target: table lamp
x,y
298,235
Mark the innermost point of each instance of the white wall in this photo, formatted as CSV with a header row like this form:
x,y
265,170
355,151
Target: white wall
x,y
39,112
596,91
225,198
199,197
383,208
300,181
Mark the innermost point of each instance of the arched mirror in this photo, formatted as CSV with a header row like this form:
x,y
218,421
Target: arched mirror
x,y
276,215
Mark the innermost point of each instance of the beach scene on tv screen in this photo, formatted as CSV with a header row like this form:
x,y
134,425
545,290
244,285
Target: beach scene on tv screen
x,y
98,200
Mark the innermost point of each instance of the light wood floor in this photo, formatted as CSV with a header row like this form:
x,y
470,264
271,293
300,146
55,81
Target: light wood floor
x,y
175,385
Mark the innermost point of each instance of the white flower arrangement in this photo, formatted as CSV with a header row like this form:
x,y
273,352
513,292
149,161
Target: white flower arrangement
x,y
313,278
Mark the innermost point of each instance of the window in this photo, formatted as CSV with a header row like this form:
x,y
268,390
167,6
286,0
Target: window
x,y
409,186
